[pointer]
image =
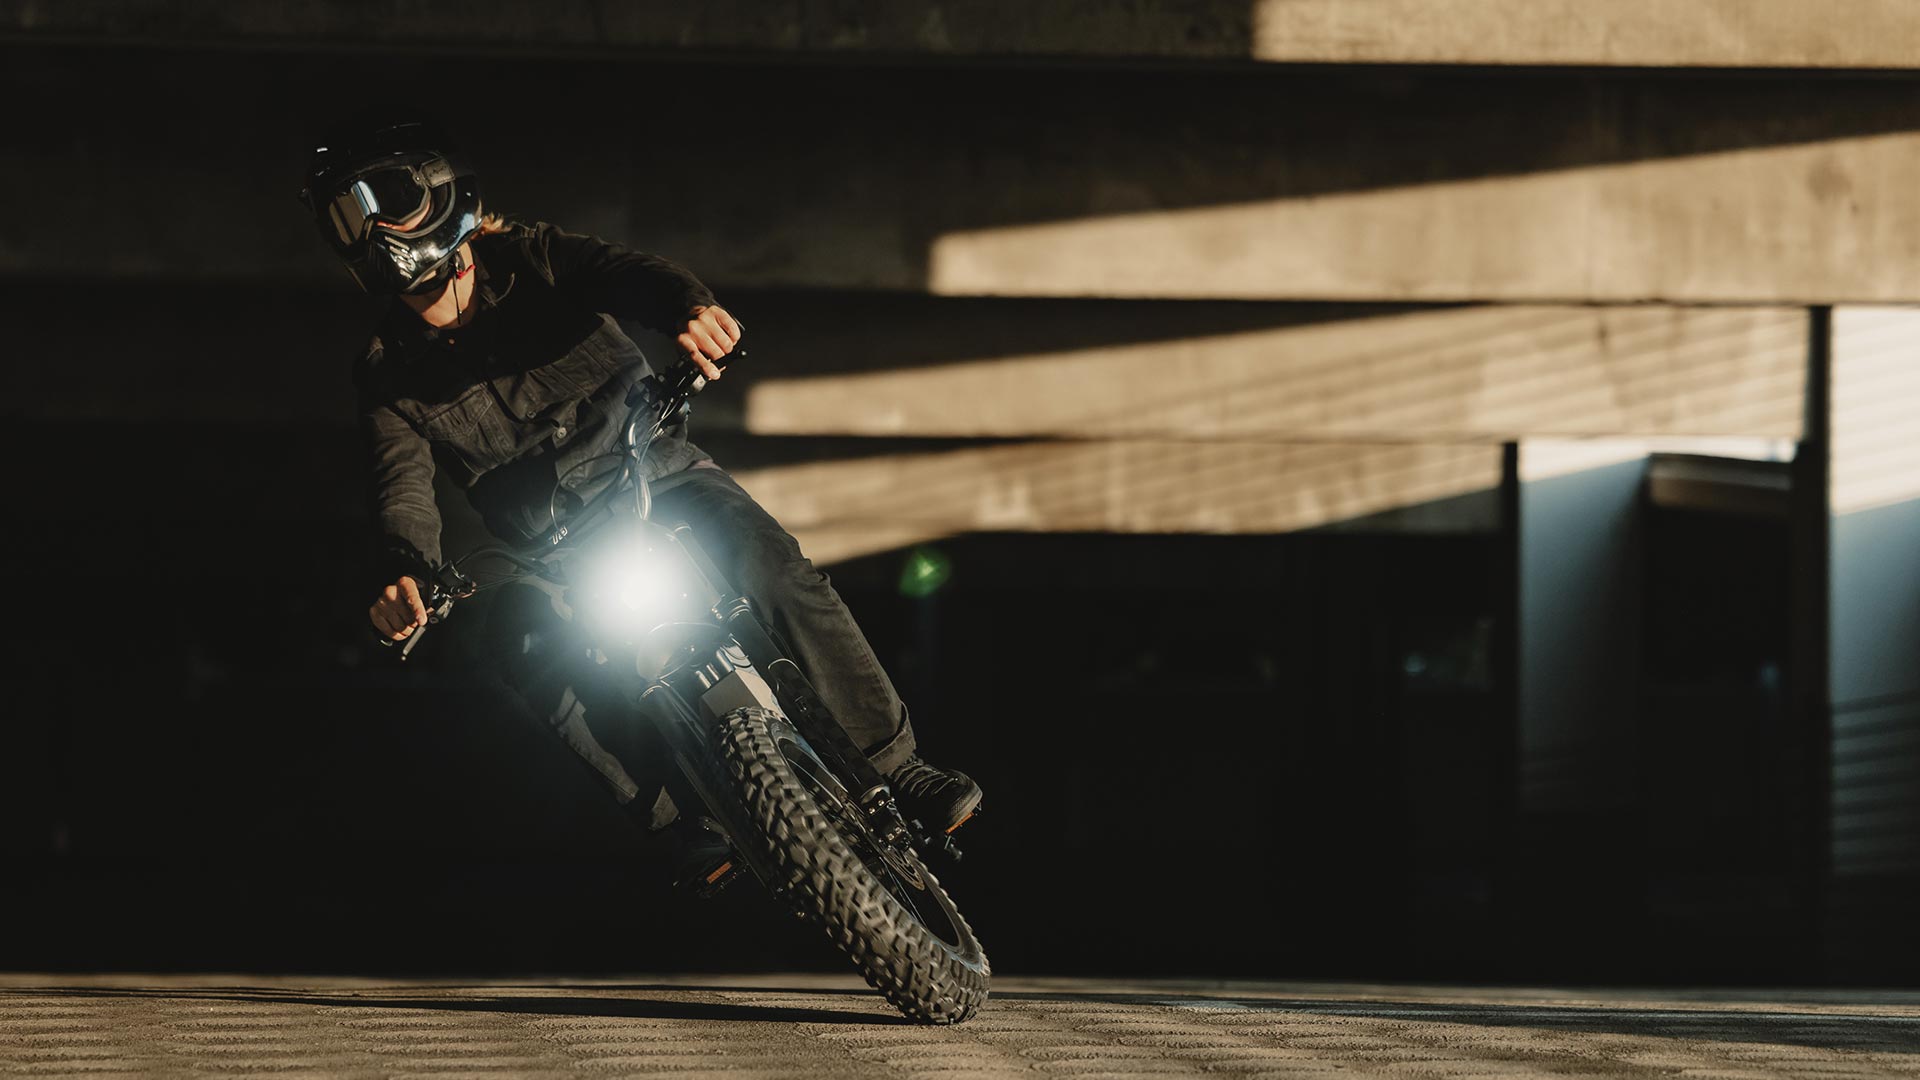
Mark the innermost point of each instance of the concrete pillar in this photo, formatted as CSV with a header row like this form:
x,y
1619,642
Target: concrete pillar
x,y
1874,669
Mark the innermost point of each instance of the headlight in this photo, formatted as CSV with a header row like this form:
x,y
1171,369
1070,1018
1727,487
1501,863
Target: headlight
x,y
631,579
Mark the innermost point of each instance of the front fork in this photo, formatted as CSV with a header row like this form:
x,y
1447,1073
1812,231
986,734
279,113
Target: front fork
x,y
795,697
690,736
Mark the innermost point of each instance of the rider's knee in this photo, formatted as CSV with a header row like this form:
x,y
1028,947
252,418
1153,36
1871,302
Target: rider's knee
x,y
771,565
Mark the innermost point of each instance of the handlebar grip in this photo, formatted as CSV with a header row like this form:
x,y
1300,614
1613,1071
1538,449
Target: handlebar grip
x,y
693,381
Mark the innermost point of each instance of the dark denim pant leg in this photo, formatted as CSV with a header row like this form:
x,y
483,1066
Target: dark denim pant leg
x,y
798,601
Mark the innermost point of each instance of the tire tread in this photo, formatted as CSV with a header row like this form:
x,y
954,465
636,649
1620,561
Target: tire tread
x,y
828,884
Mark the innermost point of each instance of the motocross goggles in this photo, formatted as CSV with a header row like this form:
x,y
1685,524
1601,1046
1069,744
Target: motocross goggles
x,y
389,195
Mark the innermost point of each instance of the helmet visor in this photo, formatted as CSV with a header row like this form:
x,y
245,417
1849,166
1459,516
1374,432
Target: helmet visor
x,y
388,196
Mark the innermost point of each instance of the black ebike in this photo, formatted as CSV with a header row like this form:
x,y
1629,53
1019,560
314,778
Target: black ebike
x,y
754,748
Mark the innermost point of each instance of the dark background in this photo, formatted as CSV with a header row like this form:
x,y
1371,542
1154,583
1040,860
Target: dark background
x,y
1278,755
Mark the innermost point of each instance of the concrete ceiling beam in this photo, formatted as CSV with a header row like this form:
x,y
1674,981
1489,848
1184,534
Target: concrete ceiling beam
x,y
1340,185
1854,34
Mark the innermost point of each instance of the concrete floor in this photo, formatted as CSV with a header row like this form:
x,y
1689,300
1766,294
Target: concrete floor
x,y
830,1026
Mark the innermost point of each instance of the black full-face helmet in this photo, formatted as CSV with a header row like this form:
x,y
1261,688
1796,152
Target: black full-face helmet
x,y
362,187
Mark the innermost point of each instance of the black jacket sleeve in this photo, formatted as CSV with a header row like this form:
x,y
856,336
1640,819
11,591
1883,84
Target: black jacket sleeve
x,y
400,470
658,293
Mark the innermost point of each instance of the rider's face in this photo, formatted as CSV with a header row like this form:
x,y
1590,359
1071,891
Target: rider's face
x,y
421,302
407,224
451,302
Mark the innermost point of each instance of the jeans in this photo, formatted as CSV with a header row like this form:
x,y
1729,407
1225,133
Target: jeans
x,y
527,649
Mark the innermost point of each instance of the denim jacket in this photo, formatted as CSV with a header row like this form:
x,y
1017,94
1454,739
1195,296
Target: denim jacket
x,y
508,405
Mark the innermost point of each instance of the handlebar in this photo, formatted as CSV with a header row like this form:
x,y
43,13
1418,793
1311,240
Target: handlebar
x,y
669,396
439,601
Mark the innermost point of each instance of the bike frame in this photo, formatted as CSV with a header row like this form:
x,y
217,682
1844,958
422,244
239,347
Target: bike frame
x,y
751,668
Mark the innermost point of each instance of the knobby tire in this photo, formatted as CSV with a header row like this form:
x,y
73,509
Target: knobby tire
x,y
819,872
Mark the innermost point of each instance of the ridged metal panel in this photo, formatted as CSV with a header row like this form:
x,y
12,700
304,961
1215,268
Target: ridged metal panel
x,y
1876,786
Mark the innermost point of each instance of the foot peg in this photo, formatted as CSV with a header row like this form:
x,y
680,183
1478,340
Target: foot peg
x,y
938,843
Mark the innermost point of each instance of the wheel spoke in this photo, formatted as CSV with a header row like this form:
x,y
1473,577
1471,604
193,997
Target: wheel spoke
x,y
910,890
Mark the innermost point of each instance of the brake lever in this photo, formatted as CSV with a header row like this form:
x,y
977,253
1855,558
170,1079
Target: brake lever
x,y
433,618
449,585
693,380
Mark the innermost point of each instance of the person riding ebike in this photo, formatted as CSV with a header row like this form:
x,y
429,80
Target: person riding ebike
x,y
503,363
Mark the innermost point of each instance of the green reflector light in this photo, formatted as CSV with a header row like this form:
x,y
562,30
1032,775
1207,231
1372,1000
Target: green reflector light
x,y
926,570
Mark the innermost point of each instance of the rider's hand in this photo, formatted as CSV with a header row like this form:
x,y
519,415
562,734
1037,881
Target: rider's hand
x,y
399,611
711,333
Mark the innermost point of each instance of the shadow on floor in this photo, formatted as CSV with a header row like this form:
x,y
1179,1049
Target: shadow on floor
x,y
582,1006
1784,1024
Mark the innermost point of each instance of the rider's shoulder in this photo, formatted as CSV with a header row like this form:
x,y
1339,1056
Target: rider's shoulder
x,y
518,236
518,245
372,363
505,234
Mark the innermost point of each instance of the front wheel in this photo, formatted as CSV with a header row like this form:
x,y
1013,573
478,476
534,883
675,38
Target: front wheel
x,y
877,902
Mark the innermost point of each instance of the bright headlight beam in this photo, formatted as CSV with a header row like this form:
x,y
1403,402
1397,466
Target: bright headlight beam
x,y
633,583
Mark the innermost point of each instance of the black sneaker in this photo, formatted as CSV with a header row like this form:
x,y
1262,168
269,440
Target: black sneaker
x,y
936,797
703,861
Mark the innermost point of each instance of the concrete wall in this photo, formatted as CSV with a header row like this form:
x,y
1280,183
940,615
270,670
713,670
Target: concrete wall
x,y
872,421
1308,423
840,509
838,207
1352,185
1643,33
1314,373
